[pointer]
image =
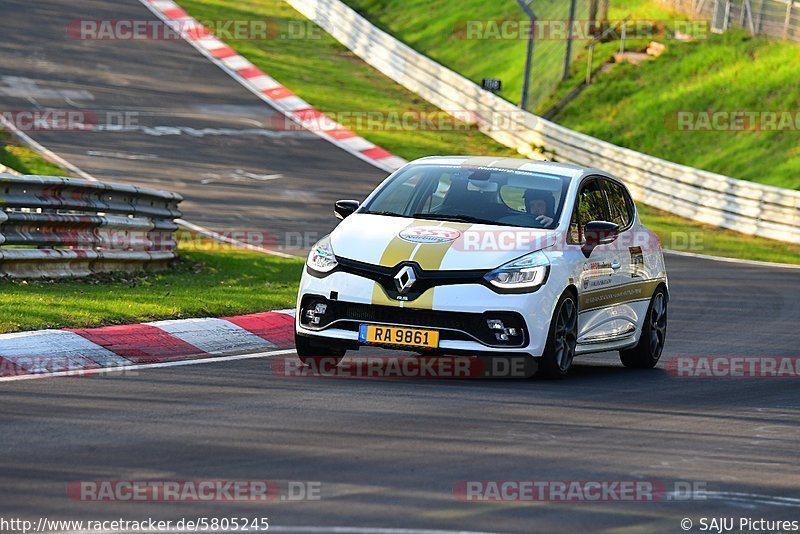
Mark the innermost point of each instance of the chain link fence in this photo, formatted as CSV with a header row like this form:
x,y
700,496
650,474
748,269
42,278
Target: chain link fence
x,y
779,19
551,47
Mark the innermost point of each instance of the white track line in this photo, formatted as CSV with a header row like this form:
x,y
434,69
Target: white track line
x,y
751,498
127,368
48,154
225,239
753,263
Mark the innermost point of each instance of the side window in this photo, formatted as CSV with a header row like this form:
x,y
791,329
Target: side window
x,y
618,204
591,206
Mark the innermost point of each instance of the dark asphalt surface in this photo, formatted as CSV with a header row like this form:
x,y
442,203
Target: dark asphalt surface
x,y
184,101
387,452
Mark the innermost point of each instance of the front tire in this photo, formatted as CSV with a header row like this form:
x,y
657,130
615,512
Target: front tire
x,y
562,339
314,355
647,352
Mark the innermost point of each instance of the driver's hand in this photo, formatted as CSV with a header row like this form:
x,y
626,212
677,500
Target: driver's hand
x,y
544,220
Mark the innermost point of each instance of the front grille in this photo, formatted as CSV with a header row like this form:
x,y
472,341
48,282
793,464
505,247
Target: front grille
x,y
425,280
383,314
453,325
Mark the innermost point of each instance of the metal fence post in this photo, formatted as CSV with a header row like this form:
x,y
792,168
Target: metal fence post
x,y
568,54
789,4
525,6
589,65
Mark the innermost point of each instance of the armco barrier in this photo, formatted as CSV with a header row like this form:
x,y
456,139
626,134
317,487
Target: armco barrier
x,y
8,170
52,227
706,197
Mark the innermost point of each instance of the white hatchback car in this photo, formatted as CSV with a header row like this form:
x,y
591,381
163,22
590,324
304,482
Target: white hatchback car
x,y
486,256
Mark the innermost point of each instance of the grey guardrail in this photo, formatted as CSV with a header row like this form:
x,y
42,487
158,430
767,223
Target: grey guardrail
x,y
702,196
8,170
53,227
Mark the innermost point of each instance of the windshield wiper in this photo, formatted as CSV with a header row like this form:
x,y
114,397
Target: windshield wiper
x,y
461,218
387,213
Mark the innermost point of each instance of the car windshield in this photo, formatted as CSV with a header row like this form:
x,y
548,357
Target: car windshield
x,y
473,194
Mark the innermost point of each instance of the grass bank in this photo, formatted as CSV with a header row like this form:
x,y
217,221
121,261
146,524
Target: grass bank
x,y
633,106
25,160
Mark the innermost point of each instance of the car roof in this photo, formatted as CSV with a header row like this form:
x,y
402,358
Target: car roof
x,y
566,170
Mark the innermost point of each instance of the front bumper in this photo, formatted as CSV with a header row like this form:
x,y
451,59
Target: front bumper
x,y
459,312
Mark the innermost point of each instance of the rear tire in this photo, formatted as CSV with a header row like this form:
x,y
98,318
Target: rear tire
x,y
562,339
647,352
314,355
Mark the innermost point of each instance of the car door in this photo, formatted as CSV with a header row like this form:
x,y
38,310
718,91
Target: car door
x,y
602,277
639,255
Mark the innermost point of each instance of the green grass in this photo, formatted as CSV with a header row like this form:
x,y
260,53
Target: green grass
x,y
208,281
334,80
679,234
439,30
636,106
25,160
631,106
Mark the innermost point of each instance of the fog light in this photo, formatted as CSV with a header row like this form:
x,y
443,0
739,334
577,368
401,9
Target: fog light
x,y
502,332
314,314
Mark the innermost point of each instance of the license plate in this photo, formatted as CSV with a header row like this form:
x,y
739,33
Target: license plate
x,y
395,335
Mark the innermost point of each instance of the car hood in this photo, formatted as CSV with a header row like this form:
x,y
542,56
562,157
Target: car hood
x,y
434,245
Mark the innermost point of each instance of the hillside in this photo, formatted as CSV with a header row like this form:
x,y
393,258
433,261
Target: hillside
x,y
635,106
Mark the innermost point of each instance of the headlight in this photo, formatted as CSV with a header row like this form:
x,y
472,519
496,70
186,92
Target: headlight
x,y
321,258
525,273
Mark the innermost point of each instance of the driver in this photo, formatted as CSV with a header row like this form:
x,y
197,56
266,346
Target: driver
x,y
541,205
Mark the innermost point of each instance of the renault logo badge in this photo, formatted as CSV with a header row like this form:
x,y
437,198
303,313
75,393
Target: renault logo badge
x,y
405,279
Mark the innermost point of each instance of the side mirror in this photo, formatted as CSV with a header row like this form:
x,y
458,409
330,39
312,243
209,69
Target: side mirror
x,y
599,233
343,208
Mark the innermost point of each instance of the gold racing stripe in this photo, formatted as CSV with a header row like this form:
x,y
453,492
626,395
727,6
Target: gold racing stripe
x,y
429,256
612,296
396,251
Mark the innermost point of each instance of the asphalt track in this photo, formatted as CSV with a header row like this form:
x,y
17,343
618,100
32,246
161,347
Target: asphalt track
x,y
186,126
387,452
